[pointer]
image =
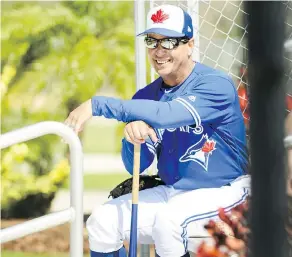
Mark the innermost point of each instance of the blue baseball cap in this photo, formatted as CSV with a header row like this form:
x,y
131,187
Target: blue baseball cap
x,y
169,21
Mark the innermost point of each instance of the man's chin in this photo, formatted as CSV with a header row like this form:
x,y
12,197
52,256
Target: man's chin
x,y
163,72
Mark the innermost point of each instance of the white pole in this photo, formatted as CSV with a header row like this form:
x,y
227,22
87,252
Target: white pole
x,y
140,52
140,55
193,10
152,71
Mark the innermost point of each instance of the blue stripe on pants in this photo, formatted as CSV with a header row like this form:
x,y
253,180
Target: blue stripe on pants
x,y
207,215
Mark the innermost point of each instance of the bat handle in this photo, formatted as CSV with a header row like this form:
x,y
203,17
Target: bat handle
x,y
135,194
136,171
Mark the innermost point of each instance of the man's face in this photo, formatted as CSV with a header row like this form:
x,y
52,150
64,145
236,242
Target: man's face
x,y
168,62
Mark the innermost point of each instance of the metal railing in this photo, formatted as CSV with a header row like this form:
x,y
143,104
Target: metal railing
x,y
74,214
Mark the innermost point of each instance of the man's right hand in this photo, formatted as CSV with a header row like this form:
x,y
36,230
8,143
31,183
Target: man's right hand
x,y
137,131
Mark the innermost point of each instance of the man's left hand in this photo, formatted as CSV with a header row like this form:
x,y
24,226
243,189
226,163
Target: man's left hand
x,y
78,117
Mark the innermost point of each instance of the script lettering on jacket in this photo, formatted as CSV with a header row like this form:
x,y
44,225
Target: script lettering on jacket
x,y
186,129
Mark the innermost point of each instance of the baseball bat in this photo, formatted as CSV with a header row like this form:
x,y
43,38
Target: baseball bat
x,y
135,198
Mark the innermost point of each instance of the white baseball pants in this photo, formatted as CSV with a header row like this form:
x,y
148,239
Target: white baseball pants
x,y
166,217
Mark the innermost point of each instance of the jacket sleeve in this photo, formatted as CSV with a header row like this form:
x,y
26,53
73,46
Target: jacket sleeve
x,y
148,150
157,114
211,100
147,156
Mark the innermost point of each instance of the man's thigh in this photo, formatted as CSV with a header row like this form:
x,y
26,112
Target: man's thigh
x,y
150,201
191,210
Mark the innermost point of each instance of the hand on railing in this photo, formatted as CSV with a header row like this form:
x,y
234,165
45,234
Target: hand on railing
x,y
79,116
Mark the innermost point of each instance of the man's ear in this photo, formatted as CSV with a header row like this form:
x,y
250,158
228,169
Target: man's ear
x,y
191,43
191,46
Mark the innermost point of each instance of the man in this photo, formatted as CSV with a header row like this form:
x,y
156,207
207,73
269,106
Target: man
x,y
190,117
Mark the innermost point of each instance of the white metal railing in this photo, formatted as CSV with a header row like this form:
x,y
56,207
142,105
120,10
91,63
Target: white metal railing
x,y
74,214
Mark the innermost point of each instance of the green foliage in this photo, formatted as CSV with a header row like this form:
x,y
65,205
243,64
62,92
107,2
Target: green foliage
x,y
56,55
100,139
18,185
72,52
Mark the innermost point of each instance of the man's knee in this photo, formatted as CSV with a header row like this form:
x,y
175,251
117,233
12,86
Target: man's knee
x,y
97,222
102,227
167,234
163,223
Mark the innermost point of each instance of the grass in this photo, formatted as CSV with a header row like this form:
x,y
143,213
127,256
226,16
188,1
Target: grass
x,y
102,181
21,254
100,139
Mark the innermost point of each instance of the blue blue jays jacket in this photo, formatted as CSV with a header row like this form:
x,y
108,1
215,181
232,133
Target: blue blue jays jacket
x,y
202,142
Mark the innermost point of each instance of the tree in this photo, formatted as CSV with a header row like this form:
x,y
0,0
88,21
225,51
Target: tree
x,y
56,55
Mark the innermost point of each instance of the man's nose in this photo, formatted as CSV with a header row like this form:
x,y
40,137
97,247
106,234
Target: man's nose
x,y
160,51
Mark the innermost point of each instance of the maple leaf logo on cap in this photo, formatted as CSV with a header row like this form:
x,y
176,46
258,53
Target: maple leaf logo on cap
x,y
159,17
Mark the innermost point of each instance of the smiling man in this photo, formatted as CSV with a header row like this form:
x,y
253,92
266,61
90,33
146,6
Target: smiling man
x,y
173,66
190,119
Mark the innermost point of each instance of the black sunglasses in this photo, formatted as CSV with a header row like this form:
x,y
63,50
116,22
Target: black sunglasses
x,y
166,43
